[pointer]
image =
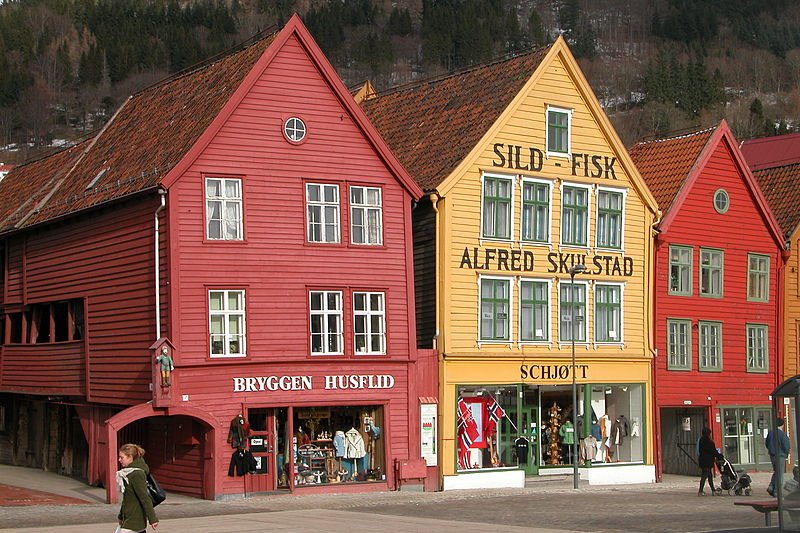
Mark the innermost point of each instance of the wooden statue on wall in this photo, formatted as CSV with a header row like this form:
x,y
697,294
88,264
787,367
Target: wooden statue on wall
x,y
554,443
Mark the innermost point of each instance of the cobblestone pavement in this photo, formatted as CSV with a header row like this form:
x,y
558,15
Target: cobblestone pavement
x,y
546,505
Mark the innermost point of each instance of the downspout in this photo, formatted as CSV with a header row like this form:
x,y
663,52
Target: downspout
x,y
434,201
435,343
786,252
160,208
653,243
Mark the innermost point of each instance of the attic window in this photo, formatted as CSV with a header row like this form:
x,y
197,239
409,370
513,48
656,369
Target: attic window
x,y
721,201
294,129
96,179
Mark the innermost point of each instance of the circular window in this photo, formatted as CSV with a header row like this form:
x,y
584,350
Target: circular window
x,y
294,129
721,201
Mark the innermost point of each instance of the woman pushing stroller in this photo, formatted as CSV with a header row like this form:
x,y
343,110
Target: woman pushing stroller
x,y
707,453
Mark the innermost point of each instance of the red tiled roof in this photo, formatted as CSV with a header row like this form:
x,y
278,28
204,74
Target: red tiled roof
x,y
666,163
148,136
772,151
432,125
780,187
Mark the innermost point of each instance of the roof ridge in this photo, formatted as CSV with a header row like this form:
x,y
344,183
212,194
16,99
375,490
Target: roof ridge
x,y
441,77
773,167
677,137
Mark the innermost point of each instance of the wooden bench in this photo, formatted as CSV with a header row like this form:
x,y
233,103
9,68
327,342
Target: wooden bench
x,y
764,506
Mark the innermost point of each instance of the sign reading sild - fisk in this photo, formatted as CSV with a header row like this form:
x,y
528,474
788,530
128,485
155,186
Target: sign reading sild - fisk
x,y
531,158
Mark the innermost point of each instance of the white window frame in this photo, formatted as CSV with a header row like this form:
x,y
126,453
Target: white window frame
x,y
623,212
549,184
321,205
588,189
509,305
690,267
751,355
324,313
568,112
765,274
295,130
367,315
702,346
548,311
721,273
225,202
621,319
672,363
226,314
372,232
510,218
585,284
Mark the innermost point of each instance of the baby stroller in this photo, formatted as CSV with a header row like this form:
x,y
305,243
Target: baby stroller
x,y
732,480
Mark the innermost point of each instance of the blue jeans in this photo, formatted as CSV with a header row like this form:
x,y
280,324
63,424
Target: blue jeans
x,y
776,461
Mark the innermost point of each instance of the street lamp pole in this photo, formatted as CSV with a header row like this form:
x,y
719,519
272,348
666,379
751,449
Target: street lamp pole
x,y
577,269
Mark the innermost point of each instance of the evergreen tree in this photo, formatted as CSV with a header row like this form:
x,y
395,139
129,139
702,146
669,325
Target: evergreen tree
x,y
400,22
536,31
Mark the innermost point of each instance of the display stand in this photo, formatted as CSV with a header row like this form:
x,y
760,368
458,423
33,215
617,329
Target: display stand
x,y
554,441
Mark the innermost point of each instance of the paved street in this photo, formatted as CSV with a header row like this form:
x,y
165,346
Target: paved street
x,y
546,506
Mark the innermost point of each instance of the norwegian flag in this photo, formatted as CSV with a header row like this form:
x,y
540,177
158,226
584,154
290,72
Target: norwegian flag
x,y
463,451
467,427
496,413
467,433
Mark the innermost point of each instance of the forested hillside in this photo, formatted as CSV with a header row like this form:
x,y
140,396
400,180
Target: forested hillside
x,y
657,65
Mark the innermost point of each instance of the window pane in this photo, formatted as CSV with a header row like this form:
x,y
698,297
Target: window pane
x,y
224,209
496,208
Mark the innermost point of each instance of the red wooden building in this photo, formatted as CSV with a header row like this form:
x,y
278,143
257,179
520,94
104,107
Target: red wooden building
x,y
245,220
718,265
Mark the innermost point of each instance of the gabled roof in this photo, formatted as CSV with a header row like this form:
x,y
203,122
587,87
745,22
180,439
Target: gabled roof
x,y
772,151
437,127
157,133
780,187
672,166
148,135
432,125
665,163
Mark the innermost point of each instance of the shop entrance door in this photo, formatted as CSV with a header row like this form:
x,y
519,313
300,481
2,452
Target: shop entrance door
x,y
529,429
262,446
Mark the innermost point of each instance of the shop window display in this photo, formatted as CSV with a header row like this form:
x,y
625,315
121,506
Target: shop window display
x,y
486,433
619,423
527,426
338,445
328,445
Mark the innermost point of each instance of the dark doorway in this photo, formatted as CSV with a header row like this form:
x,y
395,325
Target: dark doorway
x,y
680,429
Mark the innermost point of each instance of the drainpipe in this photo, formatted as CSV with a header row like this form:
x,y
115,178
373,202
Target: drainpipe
x,y
161,207
434,197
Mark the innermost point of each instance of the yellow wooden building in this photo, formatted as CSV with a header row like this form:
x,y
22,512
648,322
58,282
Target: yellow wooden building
x,y
532,247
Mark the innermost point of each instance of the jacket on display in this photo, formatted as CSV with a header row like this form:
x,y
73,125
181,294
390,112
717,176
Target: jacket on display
x,y
354,445
338,443
242,462
588,449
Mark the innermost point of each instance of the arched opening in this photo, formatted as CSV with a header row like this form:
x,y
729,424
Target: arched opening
x,y
179,446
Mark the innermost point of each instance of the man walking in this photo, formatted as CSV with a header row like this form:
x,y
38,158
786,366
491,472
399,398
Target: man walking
x,y
778,447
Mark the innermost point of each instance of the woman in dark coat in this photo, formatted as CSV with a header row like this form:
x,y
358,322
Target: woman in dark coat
x,y
137,507
707,453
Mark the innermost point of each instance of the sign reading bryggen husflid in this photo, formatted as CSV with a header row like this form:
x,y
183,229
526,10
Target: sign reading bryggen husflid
x,y
531,190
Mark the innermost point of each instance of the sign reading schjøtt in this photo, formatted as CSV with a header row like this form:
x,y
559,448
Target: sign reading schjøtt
x,y
335,382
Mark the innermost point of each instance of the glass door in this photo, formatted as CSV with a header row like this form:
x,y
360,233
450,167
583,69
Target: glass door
x,y
529,431
738,435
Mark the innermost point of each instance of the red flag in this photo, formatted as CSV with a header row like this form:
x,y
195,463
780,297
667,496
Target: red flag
x,y
467,427
496,413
